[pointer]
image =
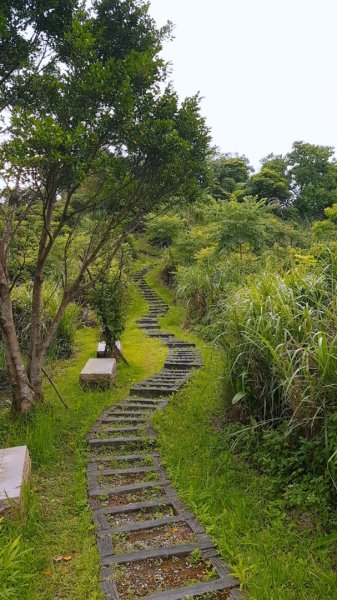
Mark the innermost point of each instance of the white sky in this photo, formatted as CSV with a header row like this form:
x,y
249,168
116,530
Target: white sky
x,y
267,69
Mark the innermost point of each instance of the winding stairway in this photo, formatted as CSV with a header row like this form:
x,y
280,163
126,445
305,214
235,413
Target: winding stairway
x,y
150,545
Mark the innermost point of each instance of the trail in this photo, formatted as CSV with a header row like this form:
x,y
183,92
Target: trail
x,y
150,545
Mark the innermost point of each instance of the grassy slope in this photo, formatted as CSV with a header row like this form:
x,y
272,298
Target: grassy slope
x,y
272,558
250,527
59,522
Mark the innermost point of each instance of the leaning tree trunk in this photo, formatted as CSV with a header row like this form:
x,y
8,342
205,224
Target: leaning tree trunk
x,y
21,390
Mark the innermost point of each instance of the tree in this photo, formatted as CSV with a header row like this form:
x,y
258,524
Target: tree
x,y
277,163
269,183
109,299
313,172
163,230
249,223
94,143
28,30
229,171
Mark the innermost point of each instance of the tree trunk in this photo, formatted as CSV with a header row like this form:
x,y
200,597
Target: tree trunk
x,y
35,375
35,358
21,390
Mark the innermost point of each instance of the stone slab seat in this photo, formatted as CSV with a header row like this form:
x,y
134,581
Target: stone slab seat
x,y
98,372
14,473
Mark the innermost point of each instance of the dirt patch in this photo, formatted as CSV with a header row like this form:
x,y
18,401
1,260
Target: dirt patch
x,y
164,536
114,433
117,424
145,514
120,480
131,497
112,463
137,410
142,578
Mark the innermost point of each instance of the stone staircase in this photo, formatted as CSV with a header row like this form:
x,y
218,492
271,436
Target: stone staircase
x,y
151,546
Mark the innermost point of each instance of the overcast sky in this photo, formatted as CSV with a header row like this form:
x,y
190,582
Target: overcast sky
x,y
267,69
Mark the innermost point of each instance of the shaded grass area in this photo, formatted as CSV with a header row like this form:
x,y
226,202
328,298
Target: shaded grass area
x,y
58,521
273,557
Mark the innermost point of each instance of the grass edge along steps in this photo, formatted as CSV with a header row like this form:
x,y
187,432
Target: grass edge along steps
x,y
123,438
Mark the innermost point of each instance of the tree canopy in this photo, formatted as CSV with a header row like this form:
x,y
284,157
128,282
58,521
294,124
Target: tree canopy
x,y
95,139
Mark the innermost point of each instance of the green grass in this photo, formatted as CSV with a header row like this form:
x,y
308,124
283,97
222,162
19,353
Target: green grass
x,y
58,520
273,557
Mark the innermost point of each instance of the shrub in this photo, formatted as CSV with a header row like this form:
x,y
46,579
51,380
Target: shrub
x,y
163,230
109,300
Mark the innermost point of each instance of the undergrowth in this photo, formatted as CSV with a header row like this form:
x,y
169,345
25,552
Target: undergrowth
x,y
277,553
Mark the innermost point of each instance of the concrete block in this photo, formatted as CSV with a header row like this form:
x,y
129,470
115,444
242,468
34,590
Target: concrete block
x,y
15,469
98,372
101,350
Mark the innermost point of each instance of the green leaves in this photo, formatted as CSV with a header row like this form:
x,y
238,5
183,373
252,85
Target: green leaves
x,y
239,396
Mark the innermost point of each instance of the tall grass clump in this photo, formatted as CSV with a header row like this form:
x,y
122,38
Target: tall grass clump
x,y
280,335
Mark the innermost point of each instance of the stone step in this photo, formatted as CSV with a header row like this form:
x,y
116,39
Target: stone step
x,y
126,457
151,407
156,390
164,552
122,441
140,401
197,589
147,320
122,430
174,343
122,413
123,420
183,364
130,471
124,489
160,334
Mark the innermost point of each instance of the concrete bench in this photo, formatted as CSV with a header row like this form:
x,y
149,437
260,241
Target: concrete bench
x,y
14,473
98,372
101,350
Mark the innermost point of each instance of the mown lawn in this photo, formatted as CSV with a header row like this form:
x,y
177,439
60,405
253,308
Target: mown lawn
x,y
268,552
59,520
